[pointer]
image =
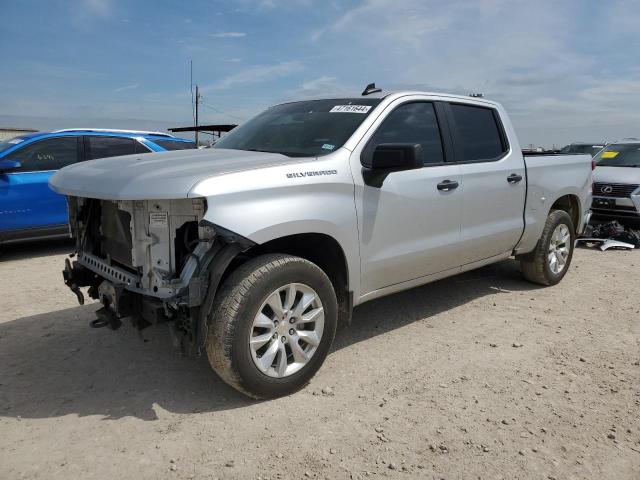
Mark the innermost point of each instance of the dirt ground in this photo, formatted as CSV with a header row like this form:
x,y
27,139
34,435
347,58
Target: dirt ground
x,y
481,376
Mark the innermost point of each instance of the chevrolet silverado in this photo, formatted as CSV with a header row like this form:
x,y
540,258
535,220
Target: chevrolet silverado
x,y
256,249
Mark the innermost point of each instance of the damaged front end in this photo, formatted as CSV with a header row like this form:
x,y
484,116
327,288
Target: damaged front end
x,y
151,261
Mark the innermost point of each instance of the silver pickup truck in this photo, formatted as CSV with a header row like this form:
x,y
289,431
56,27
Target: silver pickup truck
x,y
255,250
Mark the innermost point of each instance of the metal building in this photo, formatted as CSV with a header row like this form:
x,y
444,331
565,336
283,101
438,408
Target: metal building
x,y
7,133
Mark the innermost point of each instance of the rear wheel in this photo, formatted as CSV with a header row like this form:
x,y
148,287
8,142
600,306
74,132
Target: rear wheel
x,y
272,325
549,262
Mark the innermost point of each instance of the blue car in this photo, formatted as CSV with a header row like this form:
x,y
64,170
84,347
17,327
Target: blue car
x,y
28,207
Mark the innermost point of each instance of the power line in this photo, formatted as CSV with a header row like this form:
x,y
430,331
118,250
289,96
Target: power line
x,y
222,111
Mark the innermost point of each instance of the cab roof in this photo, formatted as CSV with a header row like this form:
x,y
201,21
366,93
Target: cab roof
x,y
392,95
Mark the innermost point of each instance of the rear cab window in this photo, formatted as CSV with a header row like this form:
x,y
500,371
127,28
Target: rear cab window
x,y
478,133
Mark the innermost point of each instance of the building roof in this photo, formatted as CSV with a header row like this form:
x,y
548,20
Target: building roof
x,y
204,128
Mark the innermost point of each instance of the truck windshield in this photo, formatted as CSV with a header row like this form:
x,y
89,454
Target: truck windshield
x,y
620,155
301,129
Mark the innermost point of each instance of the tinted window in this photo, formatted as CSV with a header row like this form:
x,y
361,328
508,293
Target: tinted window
x,y
301,129
103,147
583,148
49,154
413,123
175,144
620,155
478,131
140,148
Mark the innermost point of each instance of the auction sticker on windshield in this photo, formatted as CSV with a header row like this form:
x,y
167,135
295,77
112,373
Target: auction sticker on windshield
x,y
350,109
610,154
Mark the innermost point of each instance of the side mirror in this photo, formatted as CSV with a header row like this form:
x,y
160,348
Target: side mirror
x,y
7,165
393,156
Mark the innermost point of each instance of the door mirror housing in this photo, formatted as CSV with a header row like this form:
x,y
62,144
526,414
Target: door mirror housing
x,y
393,156
8,165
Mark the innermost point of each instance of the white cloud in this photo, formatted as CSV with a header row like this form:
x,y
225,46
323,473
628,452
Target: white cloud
x,y
537,58
228,35
324,86
98,8
133,86
255,74
564,70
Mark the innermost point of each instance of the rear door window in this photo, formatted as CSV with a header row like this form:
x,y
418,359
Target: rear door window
x,y
413,123
479,136
47,154
103,147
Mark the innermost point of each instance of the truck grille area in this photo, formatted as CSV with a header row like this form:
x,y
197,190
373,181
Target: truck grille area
x,y
146,246
619,190
116,233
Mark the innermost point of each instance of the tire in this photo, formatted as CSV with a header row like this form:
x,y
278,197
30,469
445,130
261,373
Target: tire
x,y
537,266
250,290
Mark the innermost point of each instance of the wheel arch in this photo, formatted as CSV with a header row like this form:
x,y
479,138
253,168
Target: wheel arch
x,y
319,248
570,203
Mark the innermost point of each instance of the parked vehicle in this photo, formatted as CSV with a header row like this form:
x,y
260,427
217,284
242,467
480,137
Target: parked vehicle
x,y
616,188
584,147
257,248
28,207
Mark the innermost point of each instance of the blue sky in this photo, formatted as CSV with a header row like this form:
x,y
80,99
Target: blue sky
x,y
565,70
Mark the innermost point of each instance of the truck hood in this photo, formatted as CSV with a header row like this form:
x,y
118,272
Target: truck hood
x,y
160,175
617,175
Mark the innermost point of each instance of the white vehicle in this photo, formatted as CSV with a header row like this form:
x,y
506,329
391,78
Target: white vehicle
x,y
256,249
616,188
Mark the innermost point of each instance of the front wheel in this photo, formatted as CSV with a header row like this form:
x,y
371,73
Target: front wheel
x,y
550,260
272,326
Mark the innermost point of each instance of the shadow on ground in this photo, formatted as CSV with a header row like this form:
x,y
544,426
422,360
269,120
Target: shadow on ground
x,y
54,364
35,249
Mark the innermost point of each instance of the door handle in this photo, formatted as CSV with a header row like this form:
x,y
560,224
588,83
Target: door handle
x,y
514,178
447,185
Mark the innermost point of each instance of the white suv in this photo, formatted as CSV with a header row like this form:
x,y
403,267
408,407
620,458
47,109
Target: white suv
x,y
616,188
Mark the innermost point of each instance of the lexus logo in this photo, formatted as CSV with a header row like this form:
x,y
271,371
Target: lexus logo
x,y
606,189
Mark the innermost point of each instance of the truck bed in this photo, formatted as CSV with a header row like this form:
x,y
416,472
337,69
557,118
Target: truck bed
x,y
552,176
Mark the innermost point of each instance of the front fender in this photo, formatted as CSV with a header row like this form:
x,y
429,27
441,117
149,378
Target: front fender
x,y
268,204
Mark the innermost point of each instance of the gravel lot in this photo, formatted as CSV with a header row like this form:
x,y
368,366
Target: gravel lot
x,y
477,376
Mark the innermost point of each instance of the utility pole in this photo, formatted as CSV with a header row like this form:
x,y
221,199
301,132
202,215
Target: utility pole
x,y
197,104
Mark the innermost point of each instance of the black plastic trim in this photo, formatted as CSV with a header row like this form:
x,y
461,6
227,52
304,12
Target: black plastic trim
x,y
216,269
227,235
